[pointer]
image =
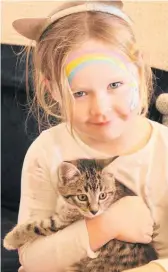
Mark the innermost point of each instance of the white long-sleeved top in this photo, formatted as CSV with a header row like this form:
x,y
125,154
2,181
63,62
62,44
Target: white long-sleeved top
x,y
145,172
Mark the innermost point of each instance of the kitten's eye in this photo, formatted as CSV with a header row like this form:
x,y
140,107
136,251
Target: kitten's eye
x,y
102,196
114,85
82,197
79,94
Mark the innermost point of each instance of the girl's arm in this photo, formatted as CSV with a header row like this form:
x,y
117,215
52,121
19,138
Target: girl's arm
x,y
38,200
56,252
160,265
81,239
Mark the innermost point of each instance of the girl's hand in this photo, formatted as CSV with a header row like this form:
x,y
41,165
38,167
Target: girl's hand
x,y
128,220
150,267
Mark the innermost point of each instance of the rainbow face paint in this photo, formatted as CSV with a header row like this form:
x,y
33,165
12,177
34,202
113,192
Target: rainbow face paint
x,y
79,60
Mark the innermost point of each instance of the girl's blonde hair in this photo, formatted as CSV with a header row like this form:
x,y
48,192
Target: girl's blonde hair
x,y
63,36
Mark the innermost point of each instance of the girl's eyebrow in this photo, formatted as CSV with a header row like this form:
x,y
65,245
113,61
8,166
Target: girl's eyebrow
x,y
116,78
80,89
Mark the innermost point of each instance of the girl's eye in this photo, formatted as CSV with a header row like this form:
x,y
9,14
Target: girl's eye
x,y
115,85
102,196
79,94
82,197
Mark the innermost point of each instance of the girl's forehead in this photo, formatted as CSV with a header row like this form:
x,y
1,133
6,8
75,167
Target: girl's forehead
x,y
114,57
102,65
112,54
97,75
96,59
96,47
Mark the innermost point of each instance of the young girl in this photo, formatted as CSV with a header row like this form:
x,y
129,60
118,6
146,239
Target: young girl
x,y
87,61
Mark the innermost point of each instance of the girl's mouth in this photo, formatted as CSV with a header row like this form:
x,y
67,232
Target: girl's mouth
x,y
101,123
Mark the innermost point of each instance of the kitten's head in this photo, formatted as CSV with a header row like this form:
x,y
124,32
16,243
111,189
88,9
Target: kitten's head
x,y
87,185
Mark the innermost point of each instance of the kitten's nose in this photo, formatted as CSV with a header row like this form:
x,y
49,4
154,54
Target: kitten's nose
x,y
94,211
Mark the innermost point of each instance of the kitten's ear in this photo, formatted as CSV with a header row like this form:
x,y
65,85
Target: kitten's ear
x,y
67,172
105,162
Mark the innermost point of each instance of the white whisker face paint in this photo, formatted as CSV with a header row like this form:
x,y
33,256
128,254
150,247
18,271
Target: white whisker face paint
x,y
134,95
134,98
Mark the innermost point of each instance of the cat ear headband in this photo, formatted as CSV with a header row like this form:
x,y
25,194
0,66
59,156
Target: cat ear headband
x,y
32,28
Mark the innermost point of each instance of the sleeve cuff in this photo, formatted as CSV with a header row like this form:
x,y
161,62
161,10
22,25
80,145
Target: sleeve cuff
x,y
162,263
85,241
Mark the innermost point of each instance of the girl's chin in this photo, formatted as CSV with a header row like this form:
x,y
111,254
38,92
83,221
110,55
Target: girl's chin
x,y
101,133
106,134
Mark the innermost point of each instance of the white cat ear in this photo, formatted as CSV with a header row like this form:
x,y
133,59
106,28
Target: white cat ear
x,y
67,172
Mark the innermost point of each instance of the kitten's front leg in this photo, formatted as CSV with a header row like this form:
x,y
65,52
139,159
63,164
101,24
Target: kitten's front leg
x,y
29,231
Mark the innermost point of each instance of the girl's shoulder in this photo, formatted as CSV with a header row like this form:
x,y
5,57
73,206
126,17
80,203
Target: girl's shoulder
x,y
54,140
53,135
56,132
160,132
48,146
157,144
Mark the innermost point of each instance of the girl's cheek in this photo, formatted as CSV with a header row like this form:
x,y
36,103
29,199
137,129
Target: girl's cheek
x,y
127,104
122,110
80,111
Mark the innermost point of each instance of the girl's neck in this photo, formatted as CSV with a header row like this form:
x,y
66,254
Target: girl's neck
x,y
129,143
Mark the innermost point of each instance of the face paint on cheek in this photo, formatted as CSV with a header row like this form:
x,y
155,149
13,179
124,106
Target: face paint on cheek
x,y
134,101
125,106
134,95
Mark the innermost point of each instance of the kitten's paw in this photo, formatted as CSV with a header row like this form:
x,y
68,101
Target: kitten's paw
x,y
10,242
8,246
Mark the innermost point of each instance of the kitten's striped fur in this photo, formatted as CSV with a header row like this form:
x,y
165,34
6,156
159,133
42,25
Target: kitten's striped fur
x,y
89,189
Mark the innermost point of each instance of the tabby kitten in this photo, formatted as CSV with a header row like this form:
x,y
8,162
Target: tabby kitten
x,y
89,189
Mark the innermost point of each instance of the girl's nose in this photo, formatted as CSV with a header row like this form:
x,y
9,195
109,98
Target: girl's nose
x,y
100,105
